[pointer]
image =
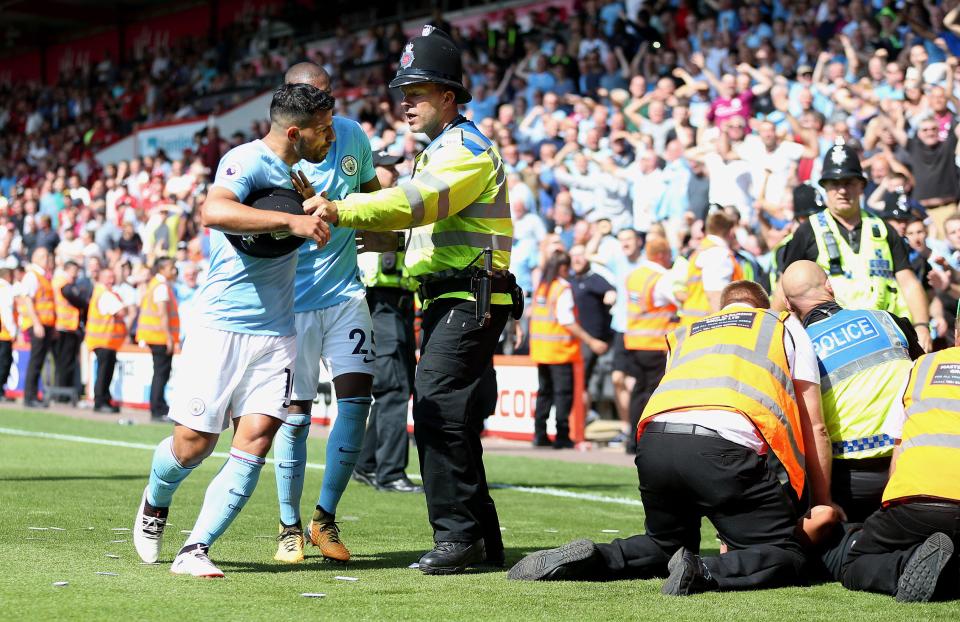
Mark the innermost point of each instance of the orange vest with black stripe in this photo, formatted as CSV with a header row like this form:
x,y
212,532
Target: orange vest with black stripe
x,y
929,462
696,306
550,342
104,331
647,325
68,316
43,302
5,334
736,360
149,324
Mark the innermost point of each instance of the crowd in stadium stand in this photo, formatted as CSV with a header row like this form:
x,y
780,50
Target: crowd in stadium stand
x,y
619,117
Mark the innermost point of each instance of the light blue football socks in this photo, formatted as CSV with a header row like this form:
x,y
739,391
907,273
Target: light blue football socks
x,y
290,454
226,496
166,473
343,449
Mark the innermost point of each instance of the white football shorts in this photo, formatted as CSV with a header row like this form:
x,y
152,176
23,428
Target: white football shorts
x,y
224,375
341,337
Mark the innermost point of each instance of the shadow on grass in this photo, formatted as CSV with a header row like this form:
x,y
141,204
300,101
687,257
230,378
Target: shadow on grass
x,y
381,561
71,478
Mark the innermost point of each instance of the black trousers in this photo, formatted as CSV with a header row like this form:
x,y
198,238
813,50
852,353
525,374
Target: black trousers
x,y
106,362
888,539
66,349
683,478
6,362
556,390
857,485
386,446
162,363
454,391
38,355
650,366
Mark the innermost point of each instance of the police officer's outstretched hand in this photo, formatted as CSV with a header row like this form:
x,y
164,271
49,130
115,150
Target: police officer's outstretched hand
x,y
322,207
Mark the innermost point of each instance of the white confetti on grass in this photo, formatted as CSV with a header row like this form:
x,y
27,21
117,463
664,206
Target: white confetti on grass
x,y
38,528
312,595
120,529
185,531
347,578
112,556
552,530
609,531
61,583
57,529
108,574
117,541
349,518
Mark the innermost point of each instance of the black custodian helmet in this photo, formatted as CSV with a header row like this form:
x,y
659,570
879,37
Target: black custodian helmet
x,y
841,162
270,245
432,57
806,201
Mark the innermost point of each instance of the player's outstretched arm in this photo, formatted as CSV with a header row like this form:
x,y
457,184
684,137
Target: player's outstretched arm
x,y
222,210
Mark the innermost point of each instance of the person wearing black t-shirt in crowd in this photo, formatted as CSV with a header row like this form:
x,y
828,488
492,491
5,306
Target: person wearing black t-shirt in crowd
x,y
593,296
934,167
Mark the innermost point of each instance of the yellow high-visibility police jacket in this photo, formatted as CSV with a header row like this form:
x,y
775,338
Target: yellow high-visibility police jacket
x,y
456,205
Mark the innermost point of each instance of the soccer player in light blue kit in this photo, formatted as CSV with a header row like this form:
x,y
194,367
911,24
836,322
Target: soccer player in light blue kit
x,y
238,359
333,325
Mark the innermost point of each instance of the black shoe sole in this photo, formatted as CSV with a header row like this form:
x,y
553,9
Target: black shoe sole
x,y
675,560
919,579
542,565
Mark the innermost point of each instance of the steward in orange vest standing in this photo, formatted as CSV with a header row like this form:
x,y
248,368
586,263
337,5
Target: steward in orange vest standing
x,y
555,339
37,319
732,433
158,327
905,545
8,327
66,349
712,267
651,316
106,333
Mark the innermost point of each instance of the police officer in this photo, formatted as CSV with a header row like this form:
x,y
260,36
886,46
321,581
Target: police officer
x,y
721,437
865,258
904,547
390,290
855,349
459,249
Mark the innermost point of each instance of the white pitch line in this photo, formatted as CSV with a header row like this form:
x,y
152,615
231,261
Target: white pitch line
x,y
549,492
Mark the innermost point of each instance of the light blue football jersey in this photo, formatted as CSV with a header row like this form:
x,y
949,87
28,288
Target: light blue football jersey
x,y
245,294
329,275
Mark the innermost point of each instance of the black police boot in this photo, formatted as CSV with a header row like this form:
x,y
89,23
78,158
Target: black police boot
x,y
452,557
688,575
401,484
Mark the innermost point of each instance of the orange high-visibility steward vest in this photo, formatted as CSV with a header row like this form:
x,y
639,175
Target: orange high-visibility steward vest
x,y
104,331
5,334
697,306
647,325
550,342
68,316
736,360
149,329
43,303
929,460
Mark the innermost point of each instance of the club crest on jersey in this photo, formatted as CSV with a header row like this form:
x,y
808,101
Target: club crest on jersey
x,y
837,155
348,165
406,59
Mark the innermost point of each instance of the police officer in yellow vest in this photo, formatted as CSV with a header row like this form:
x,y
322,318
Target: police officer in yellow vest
x,y
38,318
382,462
457,207
158,327
904,547
651,316
106,334
67,346
856,350
867,262
733,433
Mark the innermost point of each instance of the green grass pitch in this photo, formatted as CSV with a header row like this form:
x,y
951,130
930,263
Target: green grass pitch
x,y
88,490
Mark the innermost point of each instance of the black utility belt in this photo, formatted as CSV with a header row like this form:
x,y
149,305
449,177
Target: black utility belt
x,y
498,285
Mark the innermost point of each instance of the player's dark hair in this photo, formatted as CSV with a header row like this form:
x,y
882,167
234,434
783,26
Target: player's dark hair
x,y
296,104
